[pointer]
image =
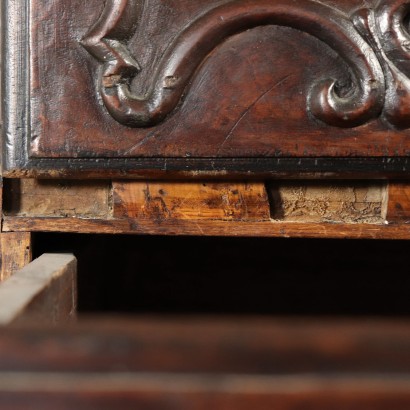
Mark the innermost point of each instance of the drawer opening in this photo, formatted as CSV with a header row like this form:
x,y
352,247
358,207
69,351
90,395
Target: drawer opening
x,y
124,274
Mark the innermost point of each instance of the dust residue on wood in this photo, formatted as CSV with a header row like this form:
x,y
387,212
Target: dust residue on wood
x,y
57,198
328,201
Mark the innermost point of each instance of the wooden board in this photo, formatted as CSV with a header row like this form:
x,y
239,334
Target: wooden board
x,y
57,198
15,252
332,209
210,228
201,363
328,201
42,292
108,392
398,210
152,89
191,201
213,345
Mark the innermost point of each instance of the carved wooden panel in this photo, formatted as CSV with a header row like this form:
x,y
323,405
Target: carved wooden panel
x,y
137,87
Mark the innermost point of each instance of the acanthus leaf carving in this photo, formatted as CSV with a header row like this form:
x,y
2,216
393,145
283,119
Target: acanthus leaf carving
x,y
379,63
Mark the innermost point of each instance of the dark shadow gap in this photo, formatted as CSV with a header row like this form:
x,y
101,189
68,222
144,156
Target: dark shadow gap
x,y
246,276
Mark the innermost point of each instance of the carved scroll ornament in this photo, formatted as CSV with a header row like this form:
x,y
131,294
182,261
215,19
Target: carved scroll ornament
x,y
373,42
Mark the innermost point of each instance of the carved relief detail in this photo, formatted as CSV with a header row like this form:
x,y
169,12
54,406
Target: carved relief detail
x,y
374,43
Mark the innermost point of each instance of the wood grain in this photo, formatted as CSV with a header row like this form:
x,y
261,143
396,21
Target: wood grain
x,y
42,292
199,363
211,345
109,392
191,201
15,252
298,209
328,201
210,228
246,94
176,69
219,116
398,209
57,198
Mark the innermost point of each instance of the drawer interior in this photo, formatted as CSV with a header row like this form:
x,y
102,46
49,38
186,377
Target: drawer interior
x,y
255,276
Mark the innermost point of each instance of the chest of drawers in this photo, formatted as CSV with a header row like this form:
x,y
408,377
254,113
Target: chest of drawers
x,y
256,118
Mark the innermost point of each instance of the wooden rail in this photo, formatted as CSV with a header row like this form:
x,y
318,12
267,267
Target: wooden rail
x,y
312,209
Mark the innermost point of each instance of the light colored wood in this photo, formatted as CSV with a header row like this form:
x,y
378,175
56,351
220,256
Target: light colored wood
x,y
1,178
58,198
42,292
304,210
191,201
211,228
328,201
398,209
15,252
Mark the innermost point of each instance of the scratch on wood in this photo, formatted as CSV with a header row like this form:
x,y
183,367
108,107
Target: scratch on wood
x,y
248,109
140,143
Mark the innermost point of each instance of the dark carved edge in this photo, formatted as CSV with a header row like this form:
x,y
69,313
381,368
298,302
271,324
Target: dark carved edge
x,y
221,168
106,41
354,105
16,136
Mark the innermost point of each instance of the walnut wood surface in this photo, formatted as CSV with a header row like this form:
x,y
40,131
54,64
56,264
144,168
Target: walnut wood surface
x,y
209,228
178,393
201,36
246,119
399,203
196,363
134,82
253,345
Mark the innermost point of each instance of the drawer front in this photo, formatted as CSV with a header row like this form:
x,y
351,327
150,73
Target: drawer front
x,y
127,87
